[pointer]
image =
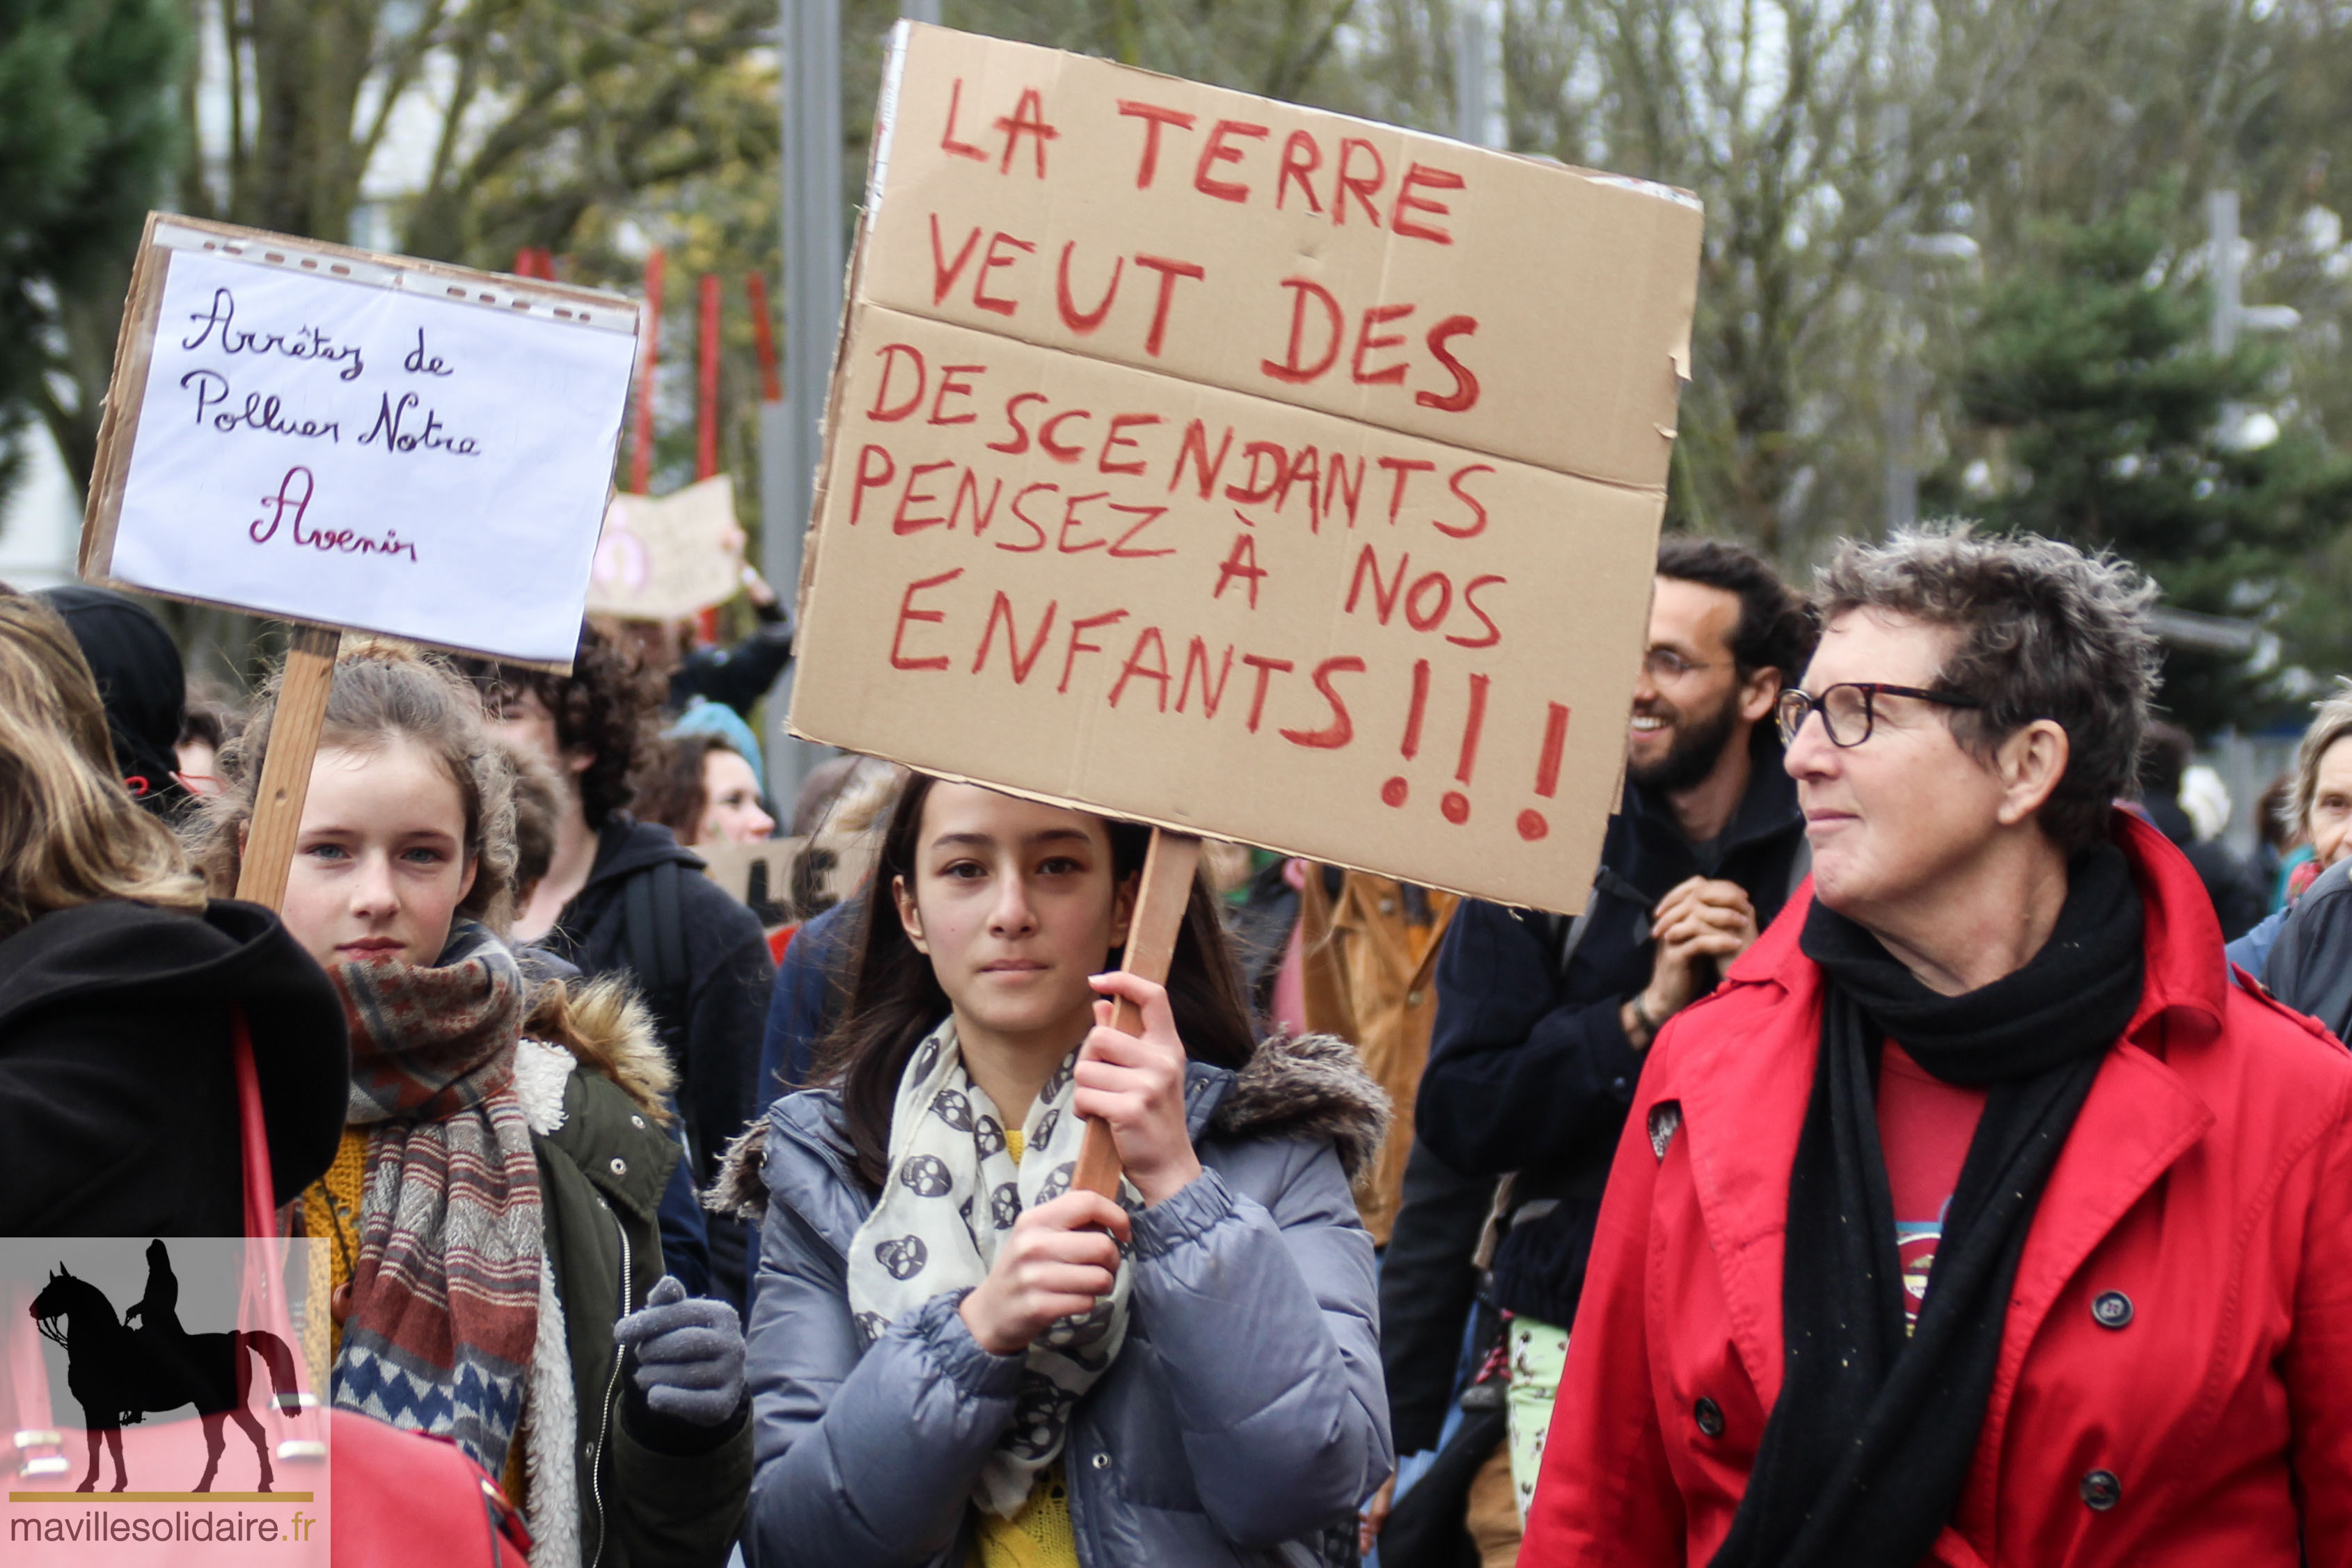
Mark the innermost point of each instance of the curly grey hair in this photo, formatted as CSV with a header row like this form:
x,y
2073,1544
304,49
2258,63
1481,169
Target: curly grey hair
x,y
384,690
2045,632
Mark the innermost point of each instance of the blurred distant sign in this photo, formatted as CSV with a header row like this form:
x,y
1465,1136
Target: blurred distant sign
x,y
661,559
805,877
349,440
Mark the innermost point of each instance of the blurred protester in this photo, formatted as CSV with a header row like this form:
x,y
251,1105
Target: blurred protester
x,y
2307,963
496,1277
208,722
2321,807
811,978
819,787
1543,1025
2206,799
118,981
1369,975
1263,922
140,681
736,677
704,791
1977,1218
2280,847
2237,895
956,1359
621,896
1461,1507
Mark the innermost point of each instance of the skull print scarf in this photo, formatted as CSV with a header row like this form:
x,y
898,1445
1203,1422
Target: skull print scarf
x,y
951,1196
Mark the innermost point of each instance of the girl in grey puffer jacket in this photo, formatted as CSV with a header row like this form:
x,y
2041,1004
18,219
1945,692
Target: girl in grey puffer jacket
x,y
955,1361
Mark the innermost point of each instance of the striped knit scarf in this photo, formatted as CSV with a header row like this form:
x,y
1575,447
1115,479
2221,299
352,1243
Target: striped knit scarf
x,y
445,1289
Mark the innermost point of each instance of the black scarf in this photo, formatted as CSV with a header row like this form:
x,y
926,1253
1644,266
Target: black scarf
x,y
1869,1445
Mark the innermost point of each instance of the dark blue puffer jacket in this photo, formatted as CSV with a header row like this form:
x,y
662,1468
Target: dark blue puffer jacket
x,y
1242,1422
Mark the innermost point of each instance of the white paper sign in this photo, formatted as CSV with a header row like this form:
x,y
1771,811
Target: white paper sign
x,y
373,457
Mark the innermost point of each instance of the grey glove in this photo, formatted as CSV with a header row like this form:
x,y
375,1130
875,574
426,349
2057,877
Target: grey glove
x,y
689,1354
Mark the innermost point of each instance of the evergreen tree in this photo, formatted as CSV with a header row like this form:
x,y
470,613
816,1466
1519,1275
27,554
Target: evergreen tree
x,y
88,139
2096,411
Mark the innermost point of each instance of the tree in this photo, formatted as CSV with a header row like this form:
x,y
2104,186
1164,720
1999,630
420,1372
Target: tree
x,y
537,114
2096,412
1815,133
87,139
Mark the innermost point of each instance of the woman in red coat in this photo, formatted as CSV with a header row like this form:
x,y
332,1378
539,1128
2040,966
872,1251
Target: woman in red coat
x,y
1977,1219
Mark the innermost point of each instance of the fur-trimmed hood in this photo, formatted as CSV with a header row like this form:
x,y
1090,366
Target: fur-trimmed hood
x,y
1311,1087
608,1029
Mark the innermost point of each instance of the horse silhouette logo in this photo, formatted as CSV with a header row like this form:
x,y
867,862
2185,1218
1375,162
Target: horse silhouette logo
x,y
120,1373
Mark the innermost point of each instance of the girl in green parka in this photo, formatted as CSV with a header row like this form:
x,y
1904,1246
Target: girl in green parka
x,y
497,1272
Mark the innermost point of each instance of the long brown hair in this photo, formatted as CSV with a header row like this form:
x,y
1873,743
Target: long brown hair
x,y
69,832
895,997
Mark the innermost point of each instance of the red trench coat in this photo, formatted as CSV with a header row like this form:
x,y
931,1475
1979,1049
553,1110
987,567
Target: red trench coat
x,y
2207,1181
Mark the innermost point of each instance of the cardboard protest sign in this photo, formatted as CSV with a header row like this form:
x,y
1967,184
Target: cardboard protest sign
x,y
662,558
1244,468
360,441
806,876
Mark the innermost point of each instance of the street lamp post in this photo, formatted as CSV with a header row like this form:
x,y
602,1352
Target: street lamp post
x,y
791,431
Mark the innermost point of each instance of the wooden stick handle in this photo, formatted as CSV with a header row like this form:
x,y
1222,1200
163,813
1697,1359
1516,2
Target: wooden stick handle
x,y
1169,869
286,769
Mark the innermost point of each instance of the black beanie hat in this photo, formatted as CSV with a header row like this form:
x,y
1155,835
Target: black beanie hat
x,y
139,679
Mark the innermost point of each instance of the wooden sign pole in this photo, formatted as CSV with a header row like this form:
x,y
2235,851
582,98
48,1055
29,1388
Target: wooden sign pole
x,y
1169,869
294,729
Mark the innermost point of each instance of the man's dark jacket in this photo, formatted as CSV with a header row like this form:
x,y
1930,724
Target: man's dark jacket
x,y
709,1019
118,1089
1530,1070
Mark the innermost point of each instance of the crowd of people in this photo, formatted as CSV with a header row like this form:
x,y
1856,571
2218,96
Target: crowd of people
x,y
1890,1163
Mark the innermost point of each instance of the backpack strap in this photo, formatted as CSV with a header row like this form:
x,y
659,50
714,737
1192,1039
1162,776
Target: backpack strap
x,y
652,919
637,927
669,925
1606,884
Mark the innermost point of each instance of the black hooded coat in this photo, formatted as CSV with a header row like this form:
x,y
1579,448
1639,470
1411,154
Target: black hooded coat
x,y
118,1091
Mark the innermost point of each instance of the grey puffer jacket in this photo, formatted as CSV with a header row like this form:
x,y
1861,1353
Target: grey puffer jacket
x,y
1242,1422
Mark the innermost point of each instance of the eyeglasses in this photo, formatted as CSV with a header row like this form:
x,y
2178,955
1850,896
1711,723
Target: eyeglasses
x,y
1847,709
1666,664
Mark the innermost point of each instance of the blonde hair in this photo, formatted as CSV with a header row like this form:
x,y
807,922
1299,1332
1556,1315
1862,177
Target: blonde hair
x,y
69,832
385,691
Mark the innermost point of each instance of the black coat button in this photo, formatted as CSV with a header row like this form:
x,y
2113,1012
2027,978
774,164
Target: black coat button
x,y
2112,1310
1709,1415
2101,1491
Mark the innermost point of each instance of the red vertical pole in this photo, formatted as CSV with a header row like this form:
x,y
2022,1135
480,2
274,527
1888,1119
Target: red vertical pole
x,y
641,438
705,399
764,339
705,434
